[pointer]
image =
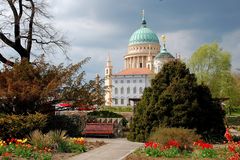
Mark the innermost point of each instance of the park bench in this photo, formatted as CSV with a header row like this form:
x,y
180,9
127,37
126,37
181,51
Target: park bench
x,y
99,129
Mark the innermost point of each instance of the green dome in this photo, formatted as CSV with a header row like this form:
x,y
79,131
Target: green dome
x,y
143,35
163,54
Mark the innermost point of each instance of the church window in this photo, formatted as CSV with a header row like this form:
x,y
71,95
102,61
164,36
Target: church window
x,y
134,90
122,101
128,90
116,81
121,81
122,90
116,91
134,81
128,81
140,81
140,47
144,47
140,65
116,101
106,71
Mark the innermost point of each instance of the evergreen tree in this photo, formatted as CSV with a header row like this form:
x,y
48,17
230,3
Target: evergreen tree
x,y
176,100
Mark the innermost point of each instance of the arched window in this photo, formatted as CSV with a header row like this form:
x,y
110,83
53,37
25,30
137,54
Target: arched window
x,y
128,90
106,71
134,90
122,90
116,91
140,90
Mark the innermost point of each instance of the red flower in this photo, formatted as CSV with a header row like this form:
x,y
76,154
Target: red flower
x,y
203,145
155,145
6,154
228,135
151,144
234,157
231,147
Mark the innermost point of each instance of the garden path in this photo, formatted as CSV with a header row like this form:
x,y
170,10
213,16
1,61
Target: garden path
x,y
115,149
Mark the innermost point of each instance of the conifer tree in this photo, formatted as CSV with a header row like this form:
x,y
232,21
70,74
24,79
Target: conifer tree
x,y
176,100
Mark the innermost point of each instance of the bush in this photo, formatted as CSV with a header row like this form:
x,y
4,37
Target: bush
x,y
73,124
18,126
51,139
185,137
176,100
107,114
118,109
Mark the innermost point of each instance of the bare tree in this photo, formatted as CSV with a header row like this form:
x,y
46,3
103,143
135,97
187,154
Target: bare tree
x,y
25,26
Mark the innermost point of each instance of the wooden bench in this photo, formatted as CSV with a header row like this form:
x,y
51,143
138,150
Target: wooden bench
x,y
99,129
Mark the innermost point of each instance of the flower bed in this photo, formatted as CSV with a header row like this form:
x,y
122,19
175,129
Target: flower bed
x,y
201,150
22,149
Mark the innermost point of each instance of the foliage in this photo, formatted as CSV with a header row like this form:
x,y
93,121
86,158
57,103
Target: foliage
x,y
176,100
117,109
58,141
41,146
92,93
19,148
20,125
185,137
73,124
212,67
107,114
27,88
233,120
26,26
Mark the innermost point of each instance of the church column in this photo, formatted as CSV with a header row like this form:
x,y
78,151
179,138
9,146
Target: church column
x,y
138,61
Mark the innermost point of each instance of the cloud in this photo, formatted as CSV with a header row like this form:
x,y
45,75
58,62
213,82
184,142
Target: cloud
x,y
230,42
184,42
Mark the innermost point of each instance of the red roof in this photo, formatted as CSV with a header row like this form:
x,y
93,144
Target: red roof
x,y
135,71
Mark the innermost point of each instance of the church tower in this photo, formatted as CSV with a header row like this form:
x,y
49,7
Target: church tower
x,y
108,82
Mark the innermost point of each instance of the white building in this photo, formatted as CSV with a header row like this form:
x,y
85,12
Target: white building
x,y
141,62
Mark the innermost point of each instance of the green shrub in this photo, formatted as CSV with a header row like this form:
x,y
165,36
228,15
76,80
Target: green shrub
x,y
175,99
106,114
18,126
185,137
233,120
72,124
118,109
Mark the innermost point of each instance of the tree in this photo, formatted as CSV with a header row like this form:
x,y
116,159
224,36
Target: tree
x,y
212,67
30,87
25,26
84,94
176,100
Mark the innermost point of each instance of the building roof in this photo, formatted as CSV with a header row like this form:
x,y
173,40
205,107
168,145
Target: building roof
x,y
143,35
135,71
164,54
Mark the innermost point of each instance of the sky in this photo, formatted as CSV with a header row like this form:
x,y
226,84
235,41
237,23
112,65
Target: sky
x,y
98,28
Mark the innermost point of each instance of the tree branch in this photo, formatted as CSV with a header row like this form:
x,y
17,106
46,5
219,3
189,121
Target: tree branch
x,y
5,61
29,43
6,40
16,23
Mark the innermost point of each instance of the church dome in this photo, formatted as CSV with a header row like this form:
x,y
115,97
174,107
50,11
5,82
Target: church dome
x,y
143,35
163,54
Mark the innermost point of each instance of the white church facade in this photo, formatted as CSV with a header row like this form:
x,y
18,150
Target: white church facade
x,y
144,59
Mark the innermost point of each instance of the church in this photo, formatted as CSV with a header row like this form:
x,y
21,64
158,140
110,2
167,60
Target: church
x,y
143,60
